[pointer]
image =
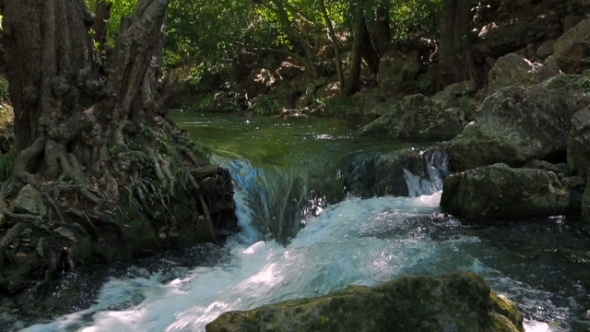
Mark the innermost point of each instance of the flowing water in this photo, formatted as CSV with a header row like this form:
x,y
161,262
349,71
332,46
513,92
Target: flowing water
x,y
303,234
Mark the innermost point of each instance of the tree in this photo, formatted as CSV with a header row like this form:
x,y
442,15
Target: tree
x,y
335,43
455,54
97,146
353,82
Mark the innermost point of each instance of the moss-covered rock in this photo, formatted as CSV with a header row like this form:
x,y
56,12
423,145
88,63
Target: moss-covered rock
x,y
417,117
451,302
514,69
498,191
514,125
571,49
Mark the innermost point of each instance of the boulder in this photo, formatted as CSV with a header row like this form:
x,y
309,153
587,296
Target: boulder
x,y
500,38
571,49
289,69
578,144
546,49
259,81
29,201
453,302
514,69
448,96
571,21
394,69
417,118
498,191
514,125
586,204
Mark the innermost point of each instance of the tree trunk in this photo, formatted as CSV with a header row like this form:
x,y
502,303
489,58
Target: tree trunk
x,y
296,36
352,84
369,54
102,10
96,146
334,40
383,30
455,53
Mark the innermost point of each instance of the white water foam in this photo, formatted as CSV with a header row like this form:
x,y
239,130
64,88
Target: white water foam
x,y
342,246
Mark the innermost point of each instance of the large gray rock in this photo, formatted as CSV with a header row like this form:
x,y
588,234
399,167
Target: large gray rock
x,y
460,302
514,125
514,69
448,96
571,49
498,191
578,145
394,69
29,201
417,118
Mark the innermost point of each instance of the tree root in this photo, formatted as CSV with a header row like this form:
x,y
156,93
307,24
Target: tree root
x,y
205,172
204,207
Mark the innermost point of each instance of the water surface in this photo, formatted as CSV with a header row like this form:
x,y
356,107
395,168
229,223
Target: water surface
x,y
302,235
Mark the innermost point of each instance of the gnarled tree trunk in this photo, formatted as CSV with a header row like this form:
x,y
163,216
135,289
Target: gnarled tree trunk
x,y
96,146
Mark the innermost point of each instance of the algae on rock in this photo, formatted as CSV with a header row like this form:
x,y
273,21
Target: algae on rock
x,y
451,302
498,191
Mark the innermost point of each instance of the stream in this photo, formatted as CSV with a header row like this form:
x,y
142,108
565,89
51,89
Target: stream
x,y
303,234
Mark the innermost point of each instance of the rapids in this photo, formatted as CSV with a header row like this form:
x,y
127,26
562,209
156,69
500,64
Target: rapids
x,y
302,234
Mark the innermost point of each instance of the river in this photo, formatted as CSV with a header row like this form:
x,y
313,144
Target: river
x,y
302,234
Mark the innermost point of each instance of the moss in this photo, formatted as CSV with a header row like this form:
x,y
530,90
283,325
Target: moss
x,y
457,302
507,308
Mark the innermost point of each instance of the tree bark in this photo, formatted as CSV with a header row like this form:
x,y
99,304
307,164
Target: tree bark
x,y
369,53
336,45
455,53
352,84
97,141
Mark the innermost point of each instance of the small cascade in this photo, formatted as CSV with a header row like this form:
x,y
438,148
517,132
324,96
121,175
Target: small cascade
x,y
429,178
408,173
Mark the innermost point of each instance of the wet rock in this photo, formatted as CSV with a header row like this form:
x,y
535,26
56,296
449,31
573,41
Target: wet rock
x,y
452,302
514,69
408,172
572,48
578,147
514,125
417,118
498,191
29,201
